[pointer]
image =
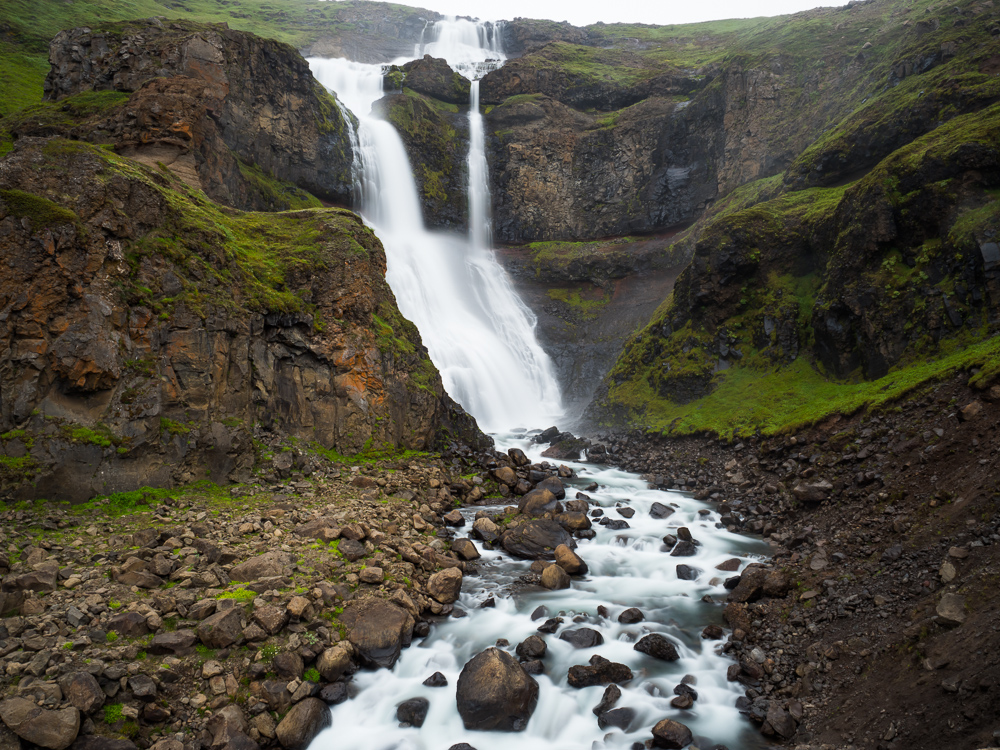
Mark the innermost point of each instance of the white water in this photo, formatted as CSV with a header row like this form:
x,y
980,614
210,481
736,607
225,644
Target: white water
x,y
478,332
627,568
481,337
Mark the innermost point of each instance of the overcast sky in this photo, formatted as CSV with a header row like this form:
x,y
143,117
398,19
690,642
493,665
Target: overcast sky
x,y
585,12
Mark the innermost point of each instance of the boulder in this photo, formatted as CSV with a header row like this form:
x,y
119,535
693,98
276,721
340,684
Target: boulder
x,y
612,694
659,510
269,565
671,734
83,691
531,648
569,561
222,629
495,693
538,502
436,680
351,549
445,585
434,77
554,578
179,642
302,723
485,529
465,549
334,662
657,646
582,637
55,730
228,728
378,630
631,616
518,457
553,485
574,520
535,540
616,717
814,492
128,625
951,610
601,671
413,711
271,619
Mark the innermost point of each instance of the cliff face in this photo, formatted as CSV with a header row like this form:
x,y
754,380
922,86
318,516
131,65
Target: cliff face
x,y
227,111
146,332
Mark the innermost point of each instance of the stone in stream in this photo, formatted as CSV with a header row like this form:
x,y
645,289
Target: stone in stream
x,y
454,518
601,671
436,680
495,693
554,578
334,693
712,632
553,485
445,585
539,612
684,549
518,457
672,735
465,549
659,510
687,573
626,512
532,647
729,566
657,646
538,502
684,534
617,717
551,625
582,637
462,746
569,561
536,539
485,529
413,711
631,616
573,521
612,693
615,524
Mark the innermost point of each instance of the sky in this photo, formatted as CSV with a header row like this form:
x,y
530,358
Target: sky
x,y
585,12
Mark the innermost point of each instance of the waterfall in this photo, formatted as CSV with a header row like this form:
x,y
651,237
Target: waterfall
x,y
479,334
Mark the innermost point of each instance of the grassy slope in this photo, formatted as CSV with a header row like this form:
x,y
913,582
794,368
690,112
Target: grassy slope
x,y
758,394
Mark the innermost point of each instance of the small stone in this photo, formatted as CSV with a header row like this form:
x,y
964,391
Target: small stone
x,y
657,646
413,711
436,680
951,609
631,616
373,576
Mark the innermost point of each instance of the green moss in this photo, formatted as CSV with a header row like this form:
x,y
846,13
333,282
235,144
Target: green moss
x,y
586,308
113,713
240,595
171,427
279,194
41,212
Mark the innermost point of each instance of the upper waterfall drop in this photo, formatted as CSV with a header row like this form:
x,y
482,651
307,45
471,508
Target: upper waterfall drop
x,y
478,332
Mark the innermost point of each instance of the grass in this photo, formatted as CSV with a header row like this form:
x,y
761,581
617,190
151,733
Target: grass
x,y
240,595
786,399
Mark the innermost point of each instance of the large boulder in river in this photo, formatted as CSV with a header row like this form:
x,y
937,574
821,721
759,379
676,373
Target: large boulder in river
x,y
495,693
671,734
378,630
52,729
535,540
445,585
538,502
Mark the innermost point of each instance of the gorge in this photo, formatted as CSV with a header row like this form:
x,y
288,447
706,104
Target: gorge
x,y
253,444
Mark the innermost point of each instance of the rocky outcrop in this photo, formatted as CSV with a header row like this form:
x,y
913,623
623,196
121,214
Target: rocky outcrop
x,y
227,111
371,32
431,76
436,136
145,331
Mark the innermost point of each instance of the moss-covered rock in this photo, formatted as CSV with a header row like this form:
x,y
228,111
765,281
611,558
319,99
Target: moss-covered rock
x,y
431,76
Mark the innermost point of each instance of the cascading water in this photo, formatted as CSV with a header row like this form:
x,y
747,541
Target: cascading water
x,y
478,332
481,337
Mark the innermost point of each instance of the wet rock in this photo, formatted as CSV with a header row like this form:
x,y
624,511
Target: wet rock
x,y
485,529
518,457
531,648
582,637
535,540
465,549
684,549
631,616
657,646
612,694
436,680
569,561
222,629
334,693
729,566
553,485
302,723
445,585
616,717
413,711
659,510
574,521
55,730
378,630
672,735
538,502
688,573
712,632
495,693
600,671
554,578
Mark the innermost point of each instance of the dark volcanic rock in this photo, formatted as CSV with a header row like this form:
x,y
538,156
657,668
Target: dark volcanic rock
x,y
582,637
657,646
672,735
495,693
600,672
413,711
